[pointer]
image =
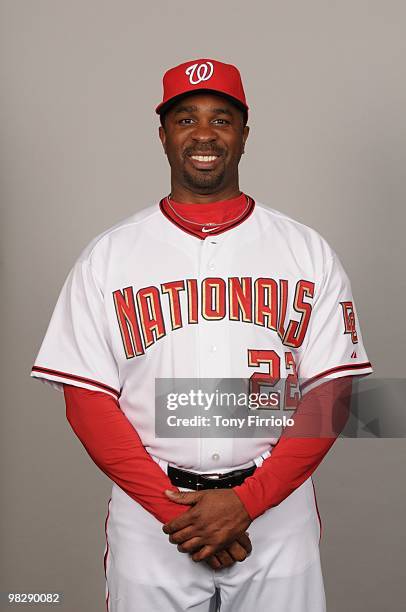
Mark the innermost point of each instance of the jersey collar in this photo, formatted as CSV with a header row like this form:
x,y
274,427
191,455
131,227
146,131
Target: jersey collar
x,y
193,218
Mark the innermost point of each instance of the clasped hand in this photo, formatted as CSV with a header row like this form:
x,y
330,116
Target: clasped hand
x,y
213,529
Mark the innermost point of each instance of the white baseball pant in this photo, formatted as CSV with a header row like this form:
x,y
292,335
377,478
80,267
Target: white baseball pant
x,y
146,573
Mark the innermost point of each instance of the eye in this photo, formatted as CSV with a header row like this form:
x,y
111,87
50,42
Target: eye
x,y
223,121
186,119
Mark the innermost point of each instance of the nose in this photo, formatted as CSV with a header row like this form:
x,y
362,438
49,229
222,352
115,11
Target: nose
x,y
204,133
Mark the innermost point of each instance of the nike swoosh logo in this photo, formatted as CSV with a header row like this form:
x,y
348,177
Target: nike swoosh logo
x,y
208,229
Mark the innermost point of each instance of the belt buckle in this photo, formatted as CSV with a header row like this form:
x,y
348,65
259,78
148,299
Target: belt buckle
x,y
207,478
212,475
218,477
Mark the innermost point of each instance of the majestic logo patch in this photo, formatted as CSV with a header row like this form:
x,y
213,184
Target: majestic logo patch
x,y
199,72
349,320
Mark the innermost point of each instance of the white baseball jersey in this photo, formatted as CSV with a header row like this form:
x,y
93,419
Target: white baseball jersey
x,y
148,300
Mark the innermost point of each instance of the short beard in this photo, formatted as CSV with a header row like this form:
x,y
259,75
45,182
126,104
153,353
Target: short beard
x,y
204,181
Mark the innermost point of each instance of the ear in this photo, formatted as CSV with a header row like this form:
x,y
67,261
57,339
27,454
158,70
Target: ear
x,y
245,136
162,137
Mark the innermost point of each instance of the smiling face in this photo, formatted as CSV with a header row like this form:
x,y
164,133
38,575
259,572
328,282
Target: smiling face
x,y
203,137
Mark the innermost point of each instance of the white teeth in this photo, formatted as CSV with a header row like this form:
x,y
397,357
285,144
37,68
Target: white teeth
x,y
204,158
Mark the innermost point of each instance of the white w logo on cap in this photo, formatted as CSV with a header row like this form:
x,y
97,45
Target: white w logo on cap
x,y
199,72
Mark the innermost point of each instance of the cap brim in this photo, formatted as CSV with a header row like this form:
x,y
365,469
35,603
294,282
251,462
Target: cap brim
x,y
165,106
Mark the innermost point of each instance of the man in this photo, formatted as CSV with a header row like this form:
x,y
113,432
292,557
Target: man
x,y
206,285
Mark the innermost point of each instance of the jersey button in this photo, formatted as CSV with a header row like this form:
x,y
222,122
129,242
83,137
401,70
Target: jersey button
x,y
213,348
215,456
211,266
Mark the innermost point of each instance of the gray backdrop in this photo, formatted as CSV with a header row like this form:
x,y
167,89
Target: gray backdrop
x,y
79,151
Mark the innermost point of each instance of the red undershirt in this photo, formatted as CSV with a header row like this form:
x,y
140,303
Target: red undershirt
x,y
116,448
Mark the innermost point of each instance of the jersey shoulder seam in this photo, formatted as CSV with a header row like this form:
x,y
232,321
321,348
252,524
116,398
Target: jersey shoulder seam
x,y
330,254
121,225
284,216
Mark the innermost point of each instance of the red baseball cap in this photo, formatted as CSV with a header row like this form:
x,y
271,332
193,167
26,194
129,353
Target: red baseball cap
x,y
202,74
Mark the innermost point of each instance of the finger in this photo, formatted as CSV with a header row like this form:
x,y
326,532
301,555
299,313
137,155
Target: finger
x,y
190,546
225,558
236,551
183,535
204,553
183,497
180,522
245,542
214,562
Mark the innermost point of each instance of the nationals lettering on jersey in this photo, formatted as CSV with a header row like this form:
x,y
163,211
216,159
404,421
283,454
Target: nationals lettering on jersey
x,y
261,301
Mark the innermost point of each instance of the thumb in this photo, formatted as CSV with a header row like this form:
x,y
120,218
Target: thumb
x,y
184,497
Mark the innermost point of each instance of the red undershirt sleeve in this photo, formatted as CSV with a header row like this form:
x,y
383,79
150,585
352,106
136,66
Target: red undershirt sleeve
x,y
319,419
116,448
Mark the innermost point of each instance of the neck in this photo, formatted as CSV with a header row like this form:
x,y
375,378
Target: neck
x,y
183,194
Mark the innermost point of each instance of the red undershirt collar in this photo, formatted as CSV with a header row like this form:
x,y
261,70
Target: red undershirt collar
x,y
195,218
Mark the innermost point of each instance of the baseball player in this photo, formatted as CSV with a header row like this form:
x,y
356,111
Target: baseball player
x,y
206,284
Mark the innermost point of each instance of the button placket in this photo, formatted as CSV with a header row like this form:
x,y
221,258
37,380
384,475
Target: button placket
x,y
213,361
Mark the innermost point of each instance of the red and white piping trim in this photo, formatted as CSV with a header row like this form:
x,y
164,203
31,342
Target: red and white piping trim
x,y
56,374
350,368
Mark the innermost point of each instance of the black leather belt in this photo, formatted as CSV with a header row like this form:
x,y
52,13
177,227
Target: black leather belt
x,y
197,482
